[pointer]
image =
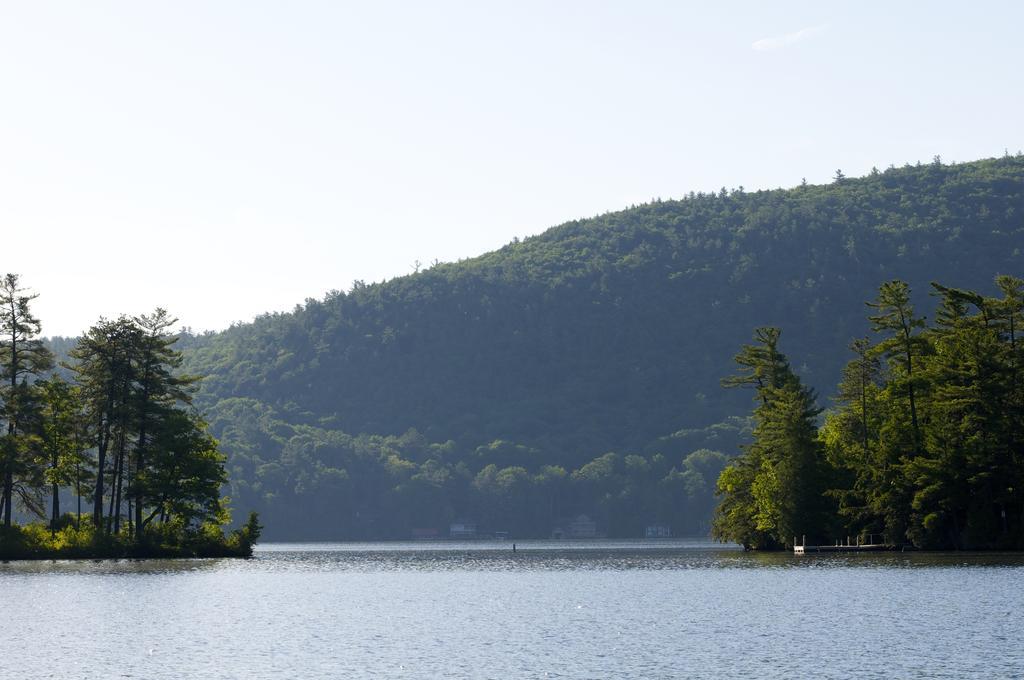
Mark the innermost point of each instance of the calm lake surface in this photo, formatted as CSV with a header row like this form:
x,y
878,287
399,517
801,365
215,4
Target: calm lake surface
x,y
595,609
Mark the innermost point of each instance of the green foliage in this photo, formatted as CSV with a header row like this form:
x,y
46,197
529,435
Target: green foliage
x,y
243,539
122,431
23,358
152,453
185,470
927,444
774,491
404,483
170,539
605,334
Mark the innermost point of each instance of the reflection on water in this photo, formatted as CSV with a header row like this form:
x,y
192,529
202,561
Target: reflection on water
x,y
550,609
123,567
543,555
550,555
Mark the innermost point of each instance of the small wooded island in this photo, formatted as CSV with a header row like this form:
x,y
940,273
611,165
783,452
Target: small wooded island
x,y
115,428
923,448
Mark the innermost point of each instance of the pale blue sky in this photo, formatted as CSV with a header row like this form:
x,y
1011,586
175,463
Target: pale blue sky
x,y
222,159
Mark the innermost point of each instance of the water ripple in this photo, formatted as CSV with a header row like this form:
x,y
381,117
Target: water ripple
x,y
551,609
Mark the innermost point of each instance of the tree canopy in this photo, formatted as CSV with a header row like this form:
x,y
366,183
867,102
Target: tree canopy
x,y
121,430
924,446
375,411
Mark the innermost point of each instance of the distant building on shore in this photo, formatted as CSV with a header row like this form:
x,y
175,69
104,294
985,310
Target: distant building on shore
x,y
658,531
462,529
580,526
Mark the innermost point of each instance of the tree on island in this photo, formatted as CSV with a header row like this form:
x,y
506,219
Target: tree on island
x,y
123,431
62,425
23,358
153,454
773,491
925,446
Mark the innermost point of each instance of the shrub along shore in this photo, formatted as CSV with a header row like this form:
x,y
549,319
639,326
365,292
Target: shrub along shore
x,y
38,541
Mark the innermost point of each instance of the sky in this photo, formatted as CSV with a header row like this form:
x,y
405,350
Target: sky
x,y
226,159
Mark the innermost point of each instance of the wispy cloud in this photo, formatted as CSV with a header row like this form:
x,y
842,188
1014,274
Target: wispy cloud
x,y
779,41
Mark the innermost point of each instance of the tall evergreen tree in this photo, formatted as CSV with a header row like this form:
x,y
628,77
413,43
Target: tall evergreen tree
x,y
961,478
850,435
61,431
762,365
105,372
789,488
159,387
184,472
952,477
903,345
23,358
858,387
775,490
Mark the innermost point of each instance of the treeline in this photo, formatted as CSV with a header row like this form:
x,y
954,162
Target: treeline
x,y
604,334
925,445
393,487
119,436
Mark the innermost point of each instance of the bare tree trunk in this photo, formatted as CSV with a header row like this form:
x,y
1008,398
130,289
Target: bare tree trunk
x,y
55,503
55,515
78,493
8,462
115,499
140,461
104,444
129,476
908,349
8,492
122,447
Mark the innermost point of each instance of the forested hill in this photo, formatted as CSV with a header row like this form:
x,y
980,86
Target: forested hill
x,y
602,335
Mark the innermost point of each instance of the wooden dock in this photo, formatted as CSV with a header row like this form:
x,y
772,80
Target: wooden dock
x,y
869,545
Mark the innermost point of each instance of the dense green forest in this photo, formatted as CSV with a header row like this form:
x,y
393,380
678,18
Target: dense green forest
x,y
926,445
578,371
114,430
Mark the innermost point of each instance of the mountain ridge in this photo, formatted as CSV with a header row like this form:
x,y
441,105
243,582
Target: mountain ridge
x,y
604,334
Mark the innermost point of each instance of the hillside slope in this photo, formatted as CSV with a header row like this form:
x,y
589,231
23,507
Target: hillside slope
x,y
607,334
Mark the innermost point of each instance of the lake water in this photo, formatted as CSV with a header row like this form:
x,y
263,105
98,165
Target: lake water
x,y
598,609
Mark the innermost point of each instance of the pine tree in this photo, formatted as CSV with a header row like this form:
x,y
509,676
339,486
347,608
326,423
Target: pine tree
x,y
105,373
23,358
762,366
185,471
775,489
789,489
850,435
158,388
61,432
903,347
963,474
